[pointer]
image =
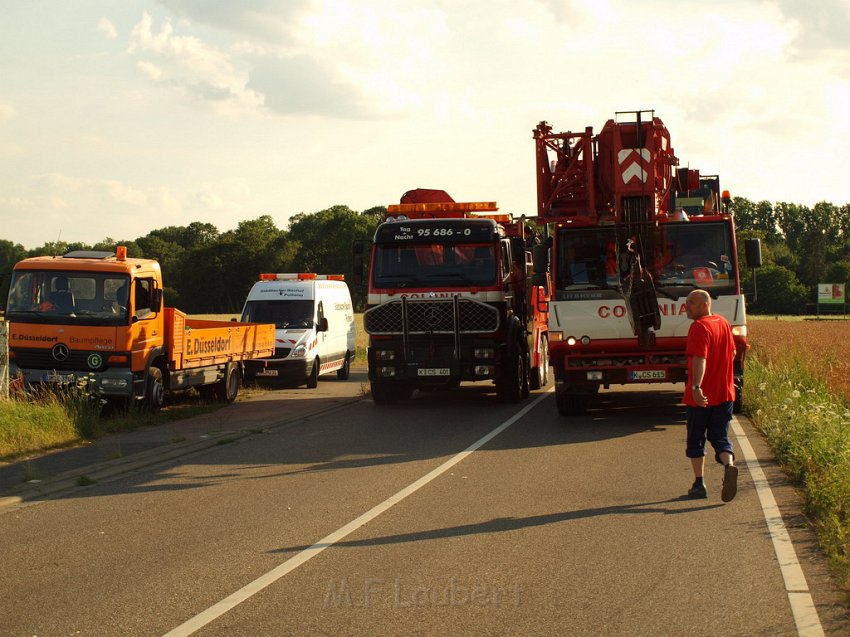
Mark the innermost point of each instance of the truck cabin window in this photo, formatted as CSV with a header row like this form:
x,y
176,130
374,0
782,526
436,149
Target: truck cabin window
x,y
695,255
284,313
686,255
423,264
70,297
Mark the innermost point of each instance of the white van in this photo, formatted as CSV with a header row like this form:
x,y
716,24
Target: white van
x,y
314,318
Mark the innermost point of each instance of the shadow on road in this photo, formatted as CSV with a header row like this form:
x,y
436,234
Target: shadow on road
x,y
501,525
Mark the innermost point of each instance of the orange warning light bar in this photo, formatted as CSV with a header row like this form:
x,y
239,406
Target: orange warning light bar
x,y
300,276
445,207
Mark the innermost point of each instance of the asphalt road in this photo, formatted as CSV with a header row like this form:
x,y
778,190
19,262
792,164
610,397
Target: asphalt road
x,y
448,514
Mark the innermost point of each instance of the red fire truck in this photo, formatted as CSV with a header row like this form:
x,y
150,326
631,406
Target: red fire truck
x,y
629,235
450,299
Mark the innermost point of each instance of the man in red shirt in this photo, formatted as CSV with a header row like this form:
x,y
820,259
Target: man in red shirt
x,y
710,393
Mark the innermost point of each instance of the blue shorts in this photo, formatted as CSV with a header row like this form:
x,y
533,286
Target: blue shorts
x,y
711,423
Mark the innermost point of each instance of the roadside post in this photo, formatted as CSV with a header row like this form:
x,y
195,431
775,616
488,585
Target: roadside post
x,y
4,360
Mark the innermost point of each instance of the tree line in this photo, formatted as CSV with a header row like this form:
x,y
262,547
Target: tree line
x,y
801,247
208,271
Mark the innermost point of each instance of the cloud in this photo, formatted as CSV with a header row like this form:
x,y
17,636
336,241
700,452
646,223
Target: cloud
x,y
303,85
191,64
150,70
824,24
107,28
270,21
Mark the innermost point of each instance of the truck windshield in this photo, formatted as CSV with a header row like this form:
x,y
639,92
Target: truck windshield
x,y
700,255
68,297
678,255
284,313
443,264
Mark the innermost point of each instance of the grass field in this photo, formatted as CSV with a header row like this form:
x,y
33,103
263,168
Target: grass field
x,y
797,393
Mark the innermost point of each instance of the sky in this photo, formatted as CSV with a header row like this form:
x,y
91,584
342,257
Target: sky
x,y
118,117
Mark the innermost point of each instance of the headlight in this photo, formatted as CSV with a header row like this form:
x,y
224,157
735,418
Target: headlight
x,y
384,355
739,330
299,352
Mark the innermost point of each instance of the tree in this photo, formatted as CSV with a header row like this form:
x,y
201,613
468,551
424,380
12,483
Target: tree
x,y
326,238
217,277
779,292
10,254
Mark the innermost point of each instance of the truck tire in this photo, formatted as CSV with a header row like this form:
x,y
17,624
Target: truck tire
x,y
572,404
343,372
313,378
513,384
383,393
227,388
154,390
539,376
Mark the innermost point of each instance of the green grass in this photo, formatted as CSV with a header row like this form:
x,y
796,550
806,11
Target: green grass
x,y
809,431
32,423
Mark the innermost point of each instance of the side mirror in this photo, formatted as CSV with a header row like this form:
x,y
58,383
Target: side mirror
x,y
323,324
540,258
5,280
156,300
752,248
358,249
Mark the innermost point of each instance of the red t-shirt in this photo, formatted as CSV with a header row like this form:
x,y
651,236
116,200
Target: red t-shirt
x,y
710,337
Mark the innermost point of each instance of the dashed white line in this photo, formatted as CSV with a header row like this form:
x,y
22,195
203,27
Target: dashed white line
x,y
220,608
802,605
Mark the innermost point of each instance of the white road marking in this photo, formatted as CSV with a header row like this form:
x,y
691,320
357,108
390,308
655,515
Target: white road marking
x,y
220,608
802,606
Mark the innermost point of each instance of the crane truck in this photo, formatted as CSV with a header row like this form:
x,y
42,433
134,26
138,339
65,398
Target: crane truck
x,y
450,299
96,318
629,235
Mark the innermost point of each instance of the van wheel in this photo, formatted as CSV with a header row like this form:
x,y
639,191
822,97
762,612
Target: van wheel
x,y
343,372
313,378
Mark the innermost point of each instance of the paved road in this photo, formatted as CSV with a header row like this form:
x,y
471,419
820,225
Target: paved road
x,y
447,514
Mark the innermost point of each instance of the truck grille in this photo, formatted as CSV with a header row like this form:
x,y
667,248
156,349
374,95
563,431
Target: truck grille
x,y
431,317
77,360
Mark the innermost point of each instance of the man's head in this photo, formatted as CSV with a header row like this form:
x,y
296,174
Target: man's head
x,y
698,304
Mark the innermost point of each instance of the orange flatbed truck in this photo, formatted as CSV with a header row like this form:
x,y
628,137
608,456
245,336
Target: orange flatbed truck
x,y
97,319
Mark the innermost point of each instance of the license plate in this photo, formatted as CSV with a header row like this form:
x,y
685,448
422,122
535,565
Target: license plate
x,y
54,377
648,374
433,371
267,372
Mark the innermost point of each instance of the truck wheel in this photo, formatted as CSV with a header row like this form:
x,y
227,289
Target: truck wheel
x,y
227,388
155,390
513,384
313,378
383,393
571,404
539,376
343,372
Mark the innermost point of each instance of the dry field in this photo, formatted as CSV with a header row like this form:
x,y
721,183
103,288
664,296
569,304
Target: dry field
x,y
821,346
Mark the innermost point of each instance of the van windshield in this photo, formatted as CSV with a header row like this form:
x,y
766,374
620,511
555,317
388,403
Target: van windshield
x,y
285,314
